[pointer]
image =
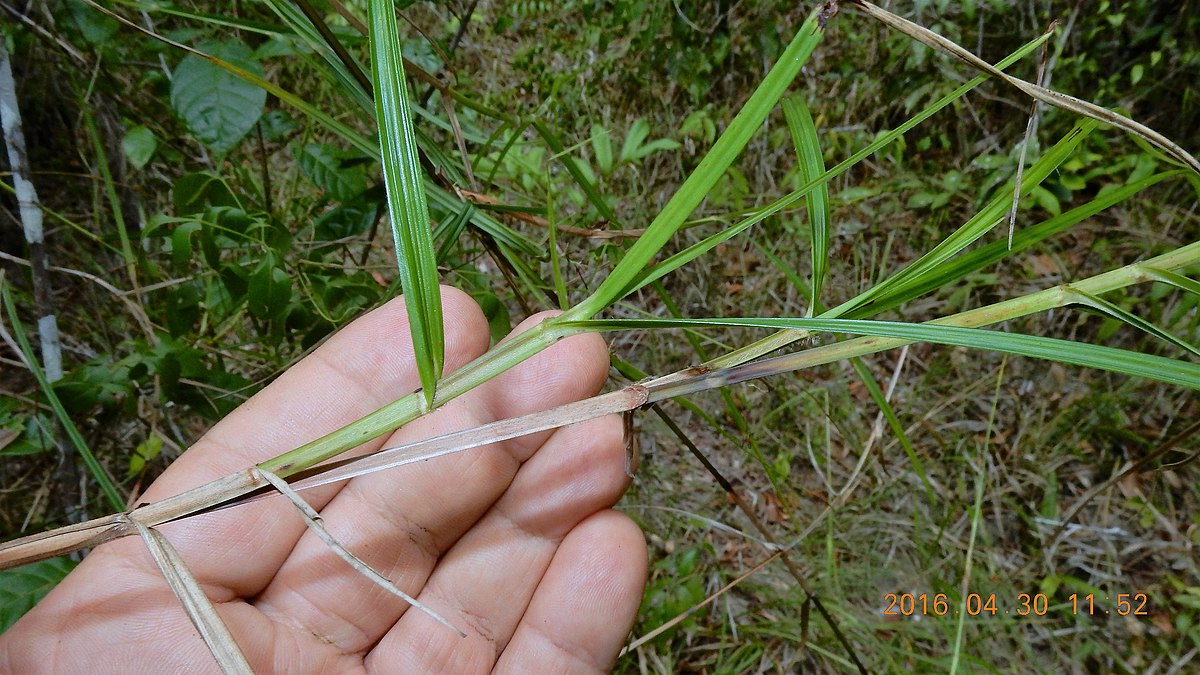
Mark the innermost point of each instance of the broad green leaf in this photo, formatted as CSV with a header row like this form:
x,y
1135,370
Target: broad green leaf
x,y
219,107
23,587
25,434
658,145
1046,199
95,27
269,292
1149,366
633,140
602,147
812,167
146,451
406,198
636,148
139,145
181,242
325,166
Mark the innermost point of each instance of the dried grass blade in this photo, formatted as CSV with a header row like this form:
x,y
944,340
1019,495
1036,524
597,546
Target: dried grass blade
x,y
1054,98
700,605
313,520
199,608
620,401
1030,126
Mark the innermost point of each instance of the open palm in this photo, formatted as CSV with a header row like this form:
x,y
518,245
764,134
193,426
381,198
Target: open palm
x,y
514,543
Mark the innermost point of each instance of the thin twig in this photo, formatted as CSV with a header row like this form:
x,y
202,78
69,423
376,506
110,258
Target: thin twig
x,y
748,511
31,219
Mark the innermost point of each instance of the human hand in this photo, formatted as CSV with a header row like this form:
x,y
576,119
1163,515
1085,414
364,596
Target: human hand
x,y
514,543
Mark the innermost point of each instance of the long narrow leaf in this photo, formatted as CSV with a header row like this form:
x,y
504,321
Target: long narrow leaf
x,y
556,145
812,167
345,70
893,421
977,226
1177,280
661,269
99,473
953,270
1149,366
1109,309
443,200
406,198
626,274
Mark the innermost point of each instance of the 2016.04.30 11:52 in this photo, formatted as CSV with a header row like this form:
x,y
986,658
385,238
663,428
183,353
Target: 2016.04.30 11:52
x,y
1036,604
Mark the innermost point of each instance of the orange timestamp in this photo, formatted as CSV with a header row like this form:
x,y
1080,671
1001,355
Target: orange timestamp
x,y
1025,604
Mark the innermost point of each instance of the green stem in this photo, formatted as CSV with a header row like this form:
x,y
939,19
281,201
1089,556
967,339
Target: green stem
x,y
1051,298
394,415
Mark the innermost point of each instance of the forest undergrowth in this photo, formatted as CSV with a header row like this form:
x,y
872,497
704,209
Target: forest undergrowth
x,y
929,507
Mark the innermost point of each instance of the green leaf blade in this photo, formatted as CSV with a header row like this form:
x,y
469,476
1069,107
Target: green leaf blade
x,y
413,236
640,277
628,273
812,167
323,165
1149,366
22,587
